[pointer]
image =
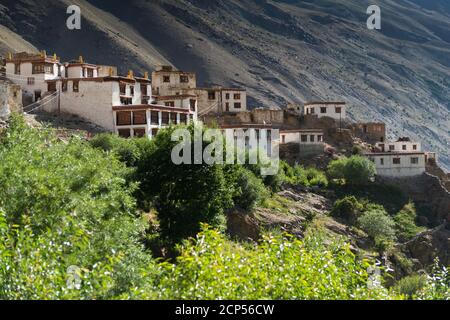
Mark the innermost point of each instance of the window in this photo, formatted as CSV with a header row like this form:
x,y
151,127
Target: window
x,y
143,89
17,68
391,147
237,105
64,85
122,88
283,139
169,104
173,117
227,96
155,117
139,117
184,79
338,109
211,95
382,161
237,96
192,104
126,101
131,90
415,160
48,68
323,109
124,133
304,138
320,138
90,73
165,118
139,132
51,86
75,86
414,147
123,118
30,81
227,106
166,79
183,118
313,110
38,68
396,161
311,138
404,147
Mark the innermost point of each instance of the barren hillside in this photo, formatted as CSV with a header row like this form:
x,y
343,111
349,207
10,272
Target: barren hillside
x,y
282,50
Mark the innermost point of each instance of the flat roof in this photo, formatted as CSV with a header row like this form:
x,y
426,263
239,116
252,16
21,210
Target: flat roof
x,y
324,103
137,107
301,131
394,154
175,97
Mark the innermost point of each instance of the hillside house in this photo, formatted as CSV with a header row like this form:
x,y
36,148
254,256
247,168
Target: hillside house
x,y
123,105
398,164
335,110
32,71
371,132
401,145
168,81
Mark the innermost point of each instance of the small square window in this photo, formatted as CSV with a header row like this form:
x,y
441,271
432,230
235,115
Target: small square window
x,y
237,96
166,79
323,110
338,110
184,79
237,105
404,147
415,160
396,161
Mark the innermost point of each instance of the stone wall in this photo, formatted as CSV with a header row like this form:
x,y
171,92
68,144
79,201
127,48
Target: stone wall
x,y
10,98
369,132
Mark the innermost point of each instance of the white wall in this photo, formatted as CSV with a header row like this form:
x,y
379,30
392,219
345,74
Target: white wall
x,y
404,169
93,102
399,146
329,108
295,137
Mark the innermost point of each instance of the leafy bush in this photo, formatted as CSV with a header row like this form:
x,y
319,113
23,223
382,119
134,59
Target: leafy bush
x,y
438,284
410,286
405,222
348,209
64,204
355,170
249,190
211,267
184,195
377,224
298,175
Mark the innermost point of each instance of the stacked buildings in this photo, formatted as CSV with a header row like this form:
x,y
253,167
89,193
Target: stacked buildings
x,y
137,106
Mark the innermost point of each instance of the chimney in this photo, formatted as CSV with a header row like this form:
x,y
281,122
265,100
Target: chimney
x,y
80,59
55,57
146,75
130,74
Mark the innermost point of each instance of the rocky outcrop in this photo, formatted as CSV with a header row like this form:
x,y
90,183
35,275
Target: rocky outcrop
x,y
429,245
429,195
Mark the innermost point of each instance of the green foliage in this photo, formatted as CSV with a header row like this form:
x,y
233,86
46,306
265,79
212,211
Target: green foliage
x,y
212,267
298,175
355,170
438,285
405,222
249,190
349,209
410,286
377,224
184,195
64,204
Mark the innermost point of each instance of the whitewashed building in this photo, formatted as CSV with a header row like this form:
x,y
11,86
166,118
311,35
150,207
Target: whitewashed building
x,y
124,105
401,145
335,110
302,136
399,164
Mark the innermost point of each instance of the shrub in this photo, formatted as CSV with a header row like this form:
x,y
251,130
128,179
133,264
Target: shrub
x,y
249,190
64,204
356,170
316,177
410,286
348,209
405,222
184,195
211,267
378,225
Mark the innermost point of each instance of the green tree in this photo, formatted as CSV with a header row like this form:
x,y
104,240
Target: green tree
x,y
348,209
405,222
184,195
377,224
356,170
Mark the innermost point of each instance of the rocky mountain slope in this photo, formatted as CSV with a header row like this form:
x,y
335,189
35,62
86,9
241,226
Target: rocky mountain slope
x,y
282,50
